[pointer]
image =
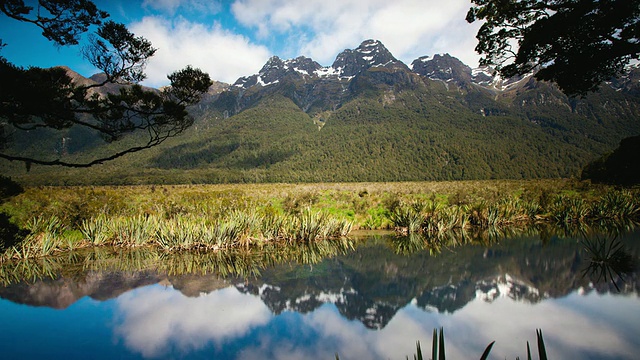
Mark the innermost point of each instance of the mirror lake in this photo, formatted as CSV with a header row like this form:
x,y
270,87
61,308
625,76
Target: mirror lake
x,y
371,296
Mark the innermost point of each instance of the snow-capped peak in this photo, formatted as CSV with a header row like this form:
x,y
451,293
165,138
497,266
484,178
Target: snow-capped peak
x,y
507,286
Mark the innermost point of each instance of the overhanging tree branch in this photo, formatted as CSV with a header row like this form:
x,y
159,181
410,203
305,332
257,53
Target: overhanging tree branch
x,y
577,44
61,21
35,98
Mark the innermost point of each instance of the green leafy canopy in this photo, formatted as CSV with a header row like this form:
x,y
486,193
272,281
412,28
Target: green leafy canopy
x,y
34,100
578,44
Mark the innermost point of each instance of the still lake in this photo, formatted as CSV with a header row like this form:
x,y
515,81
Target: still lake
x,y
370,298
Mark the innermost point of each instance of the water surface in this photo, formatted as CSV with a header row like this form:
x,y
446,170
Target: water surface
x,y
372,299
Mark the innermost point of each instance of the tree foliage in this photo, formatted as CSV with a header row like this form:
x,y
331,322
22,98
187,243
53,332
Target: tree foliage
x,y
619,167
36,98
577,44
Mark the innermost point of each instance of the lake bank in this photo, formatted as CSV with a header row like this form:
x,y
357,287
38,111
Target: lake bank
x,y
218,217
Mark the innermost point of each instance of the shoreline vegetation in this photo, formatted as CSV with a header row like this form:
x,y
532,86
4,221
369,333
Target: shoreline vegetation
x,y
215,218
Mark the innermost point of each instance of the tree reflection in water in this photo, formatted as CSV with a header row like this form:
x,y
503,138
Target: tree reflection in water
x,y
607,255
462,281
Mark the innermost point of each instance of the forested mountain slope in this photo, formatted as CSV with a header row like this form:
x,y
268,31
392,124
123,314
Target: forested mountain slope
x,y
369,117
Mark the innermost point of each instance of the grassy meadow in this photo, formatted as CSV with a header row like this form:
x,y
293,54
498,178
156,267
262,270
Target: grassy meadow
x,y
219,217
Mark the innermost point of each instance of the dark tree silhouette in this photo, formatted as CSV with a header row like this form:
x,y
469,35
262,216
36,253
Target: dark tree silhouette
x,y
621,167
577,44
36,98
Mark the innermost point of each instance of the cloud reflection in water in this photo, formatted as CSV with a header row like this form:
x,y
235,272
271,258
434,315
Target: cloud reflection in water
x,y
155,319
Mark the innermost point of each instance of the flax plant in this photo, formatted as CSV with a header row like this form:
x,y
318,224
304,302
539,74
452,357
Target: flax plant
x,y
133,231
618,205
42,240
179,233
96,230
438,347
229,231
223,217
564,210
408,219
567,210
273,226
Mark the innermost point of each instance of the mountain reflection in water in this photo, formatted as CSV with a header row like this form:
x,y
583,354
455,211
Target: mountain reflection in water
x,y
360,299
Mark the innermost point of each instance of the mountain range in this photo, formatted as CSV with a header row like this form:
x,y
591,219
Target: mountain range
x,y
369,117
372,67
369,284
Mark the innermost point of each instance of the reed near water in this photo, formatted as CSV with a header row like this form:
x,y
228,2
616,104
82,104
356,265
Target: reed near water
x,y
223,217
182,232
432,217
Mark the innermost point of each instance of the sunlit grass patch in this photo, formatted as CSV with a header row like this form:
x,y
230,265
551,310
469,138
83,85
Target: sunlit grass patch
x,y
214,217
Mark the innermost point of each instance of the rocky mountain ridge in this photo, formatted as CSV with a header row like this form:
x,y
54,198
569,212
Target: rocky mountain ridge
x,y
347,65
371,66
315,88
370,117
373,54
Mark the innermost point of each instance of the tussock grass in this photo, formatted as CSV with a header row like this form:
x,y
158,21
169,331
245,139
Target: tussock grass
x,y
221,217
236,229
611,208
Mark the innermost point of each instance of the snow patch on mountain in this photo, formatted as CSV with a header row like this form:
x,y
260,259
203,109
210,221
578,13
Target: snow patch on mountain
x,y
373,54
506,286
328,72
262,83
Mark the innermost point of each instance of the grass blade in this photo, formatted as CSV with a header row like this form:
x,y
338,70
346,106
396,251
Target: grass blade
x,y
434,345
542,351
486,352
441,356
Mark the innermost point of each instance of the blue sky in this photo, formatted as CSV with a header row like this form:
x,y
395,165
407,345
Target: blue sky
x,y
230,39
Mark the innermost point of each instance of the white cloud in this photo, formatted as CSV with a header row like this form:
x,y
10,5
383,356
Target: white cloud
x,y
224,55
409,28
154,319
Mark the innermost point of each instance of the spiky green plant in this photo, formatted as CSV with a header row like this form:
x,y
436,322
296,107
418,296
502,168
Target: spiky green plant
x,y
620,204
408,218
478,214
608,257
132,230
178,233
96,230
438,348
226,233
43,238
309,225
542,351
272,226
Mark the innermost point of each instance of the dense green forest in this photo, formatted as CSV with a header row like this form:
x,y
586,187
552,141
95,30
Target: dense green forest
x,y
427,132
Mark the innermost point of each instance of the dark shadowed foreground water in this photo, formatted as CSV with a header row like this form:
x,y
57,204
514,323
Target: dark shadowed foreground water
x,y
371,298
